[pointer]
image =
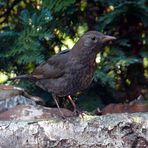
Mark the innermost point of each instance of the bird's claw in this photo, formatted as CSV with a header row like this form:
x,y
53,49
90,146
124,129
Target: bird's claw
x,y
77,113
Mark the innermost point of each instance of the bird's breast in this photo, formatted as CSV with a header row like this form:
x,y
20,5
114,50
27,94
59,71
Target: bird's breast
x,y
82,75
77,78
87,75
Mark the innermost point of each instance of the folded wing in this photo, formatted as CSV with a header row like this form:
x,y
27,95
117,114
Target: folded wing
x,y
53,68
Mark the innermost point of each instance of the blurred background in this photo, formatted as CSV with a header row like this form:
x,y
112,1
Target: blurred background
x,y
31,31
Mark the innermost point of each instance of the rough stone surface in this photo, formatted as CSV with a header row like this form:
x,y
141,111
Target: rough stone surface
x,y
12,102
30,112
111,131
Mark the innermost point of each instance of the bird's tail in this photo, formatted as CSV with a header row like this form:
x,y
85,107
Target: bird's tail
x,y
25,77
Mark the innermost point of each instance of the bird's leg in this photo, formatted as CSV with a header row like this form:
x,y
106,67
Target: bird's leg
x,y
72,102
55,99
76,111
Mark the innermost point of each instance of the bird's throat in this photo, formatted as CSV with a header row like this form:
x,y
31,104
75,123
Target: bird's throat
x,y
84,54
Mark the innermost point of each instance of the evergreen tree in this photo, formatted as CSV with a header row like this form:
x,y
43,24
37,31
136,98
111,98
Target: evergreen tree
x,y
32,30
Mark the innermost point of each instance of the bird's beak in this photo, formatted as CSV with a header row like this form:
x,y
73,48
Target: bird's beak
x,y
108,38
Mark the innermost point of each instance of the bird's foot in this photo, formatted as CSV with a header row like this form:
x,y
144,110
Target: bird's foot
x,y
62,115
78,113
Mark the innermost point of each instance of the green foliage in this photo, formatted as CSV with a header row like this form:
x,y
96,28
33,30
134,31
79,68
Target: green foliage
x,y
111,65
58,5
6,38
30,31
137,9
27,47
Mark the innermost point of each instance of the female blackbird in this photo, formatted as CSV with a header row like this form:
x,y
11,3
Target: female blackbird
x,y
70,71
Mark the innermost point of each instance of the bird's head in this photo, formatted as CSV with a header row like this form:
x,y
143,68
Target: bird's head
x,y
94,39
90,44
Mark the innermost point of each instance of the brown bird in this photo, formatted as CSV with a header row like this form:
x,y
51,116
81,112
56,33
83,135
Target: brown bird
x,y
70,71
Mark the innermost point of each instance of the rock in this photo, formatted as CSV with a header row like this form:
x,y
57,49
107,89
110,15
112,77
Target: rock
x,y
29,112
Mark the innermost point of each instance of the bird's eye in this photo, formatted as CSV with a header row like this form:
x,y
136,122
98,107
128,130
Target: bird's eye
x,y
93,38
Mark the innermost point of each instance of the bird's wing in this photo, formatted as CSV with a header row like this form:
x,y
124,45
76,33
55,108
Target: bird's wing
x,y
53,68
